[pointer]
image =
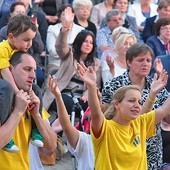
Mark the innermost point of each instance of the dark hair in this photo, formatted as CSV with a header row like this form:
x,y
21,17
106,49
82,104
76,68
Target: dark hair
x,y
137,49
16,58
19,24
80,38
62,8
160,23
12,8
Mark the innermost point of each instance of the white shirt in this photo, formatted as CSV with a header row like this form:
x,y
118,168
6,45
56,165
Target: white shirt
x,y
52,34
83,152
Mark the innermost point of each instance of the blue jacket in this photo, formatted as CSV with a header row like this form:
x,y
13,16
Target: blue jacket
x,y
156,45
149,29
166,65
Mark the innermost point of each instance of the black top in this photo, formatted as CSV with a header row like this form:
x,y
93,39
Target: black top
x,y
90,27
166,146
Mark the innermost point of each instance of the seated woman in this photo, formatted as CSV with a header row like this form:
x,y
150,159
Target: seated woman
x,y
114,61
82,50
99,11
82,10
160,42
141,11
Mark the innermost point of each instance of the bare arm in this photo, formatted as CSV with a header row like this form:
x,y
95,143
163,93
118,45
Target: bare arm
x,y
162,112
70,131
157,85
8,128
61,45
89,77
6,74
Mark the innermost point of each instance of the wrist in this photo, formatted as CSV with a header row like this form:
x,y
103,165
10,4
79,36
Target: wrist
x,y
152,99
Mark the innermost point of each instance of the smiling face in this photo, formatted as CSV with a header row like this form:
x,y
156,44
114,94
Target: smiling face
x,y
23,41
87,45
24,73
129,108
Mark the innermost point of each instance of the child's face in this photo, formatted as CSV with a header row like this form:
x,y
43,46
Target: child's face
x,y
23,41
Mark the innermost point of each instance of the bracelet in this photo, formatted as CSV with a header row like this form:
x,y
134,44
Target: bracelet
x,y
151,100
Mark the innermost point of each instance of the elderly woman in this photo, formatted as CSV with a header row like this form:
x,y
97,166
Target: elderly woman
x,y
114,61
139,61
160,42
82,50
82,10
142,10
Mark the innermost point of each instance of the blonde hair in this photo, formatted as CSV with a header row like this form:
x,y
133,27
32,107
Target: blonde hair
x,y
120,35
118,96
79,3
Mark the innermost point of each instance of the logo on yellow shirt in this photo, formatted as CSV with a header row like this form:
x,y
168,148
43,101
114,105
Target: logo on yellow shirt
x,y
136,139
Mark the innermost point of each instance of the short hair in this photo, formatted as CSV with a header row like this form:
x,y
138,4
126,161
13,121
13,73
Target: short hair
x,y
62,8
20,23
120,35
12,8
113,12
16,58
163,4
160,23
118,96
137,49
79,3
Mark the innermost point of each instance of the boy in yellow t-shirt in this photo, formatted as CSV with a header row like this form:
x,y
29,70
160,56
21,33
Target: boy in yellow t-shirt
x,y
21,30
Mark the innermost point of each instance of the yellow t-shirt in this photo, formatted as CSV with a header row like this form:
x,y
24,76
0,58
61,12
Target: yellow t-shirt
x,y
122,147
20,160
6,52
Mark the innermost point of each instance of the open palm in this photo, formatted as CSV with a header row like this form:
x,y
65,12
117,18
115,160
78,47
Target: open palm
x,y
87,74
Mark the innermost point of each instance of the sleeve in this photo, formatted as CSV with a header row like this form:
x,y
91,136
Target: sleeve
x,y
95,17
82,144
50,42
62,47
106,74
108,90
101,38
148,124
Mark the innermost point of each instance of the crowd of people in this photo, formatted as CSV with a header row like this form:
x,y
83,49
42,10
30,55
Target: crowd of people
x,y
110,58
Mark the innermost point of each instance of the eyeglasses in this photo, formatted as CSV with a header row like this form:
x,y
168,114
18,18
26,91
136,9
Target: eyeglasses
x,y
166,28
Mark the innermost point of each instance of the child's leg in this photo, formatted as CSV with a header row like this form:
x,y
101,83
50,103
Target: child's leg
x,y
6,105
36,137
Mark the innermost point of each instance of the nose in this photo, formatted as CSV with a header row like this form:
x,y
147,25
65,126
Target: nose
x,y
29,44
33,75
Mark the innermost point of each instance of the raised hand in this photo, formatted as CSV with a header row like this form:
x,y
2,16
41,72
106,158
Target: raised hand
x,y
158,83
87,74
111,65
53,86
67,18
158,66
